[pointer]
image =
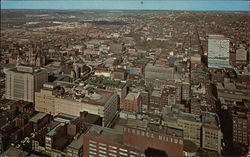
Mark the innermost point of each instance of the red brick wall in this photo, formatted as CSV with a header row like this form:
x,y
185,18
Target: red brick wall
x,y
86,142
173,146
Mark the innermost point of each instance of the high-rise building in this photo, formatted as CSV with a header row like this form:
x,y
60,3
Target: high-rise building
x,y
23,81
240,128
218,51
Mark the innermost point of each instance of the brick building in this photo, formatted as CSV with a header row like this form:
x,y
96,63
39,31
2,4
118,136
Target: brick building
x,y
241,128
132,102
106,142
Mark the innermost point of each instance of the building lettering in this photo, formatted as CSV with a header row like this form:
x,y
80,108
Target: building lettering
x,y
153,135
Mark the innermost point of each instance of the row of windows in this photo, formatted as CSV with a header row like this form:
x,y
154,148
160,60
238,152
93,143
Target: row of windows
x,y
112,149
93,154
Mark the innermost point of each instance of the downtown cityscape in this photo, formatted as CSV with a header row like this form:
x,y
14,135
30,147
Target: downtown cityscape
x,y
124,83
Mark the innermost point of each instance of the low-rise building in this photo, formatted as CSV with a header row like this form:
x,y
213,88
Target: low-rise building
x,y
132,102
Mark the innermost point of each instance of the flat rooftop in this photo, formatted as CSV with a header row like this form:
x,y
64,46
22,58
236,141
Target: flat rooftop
x,y
26,69
77,143
37,117
217,36
104,133
106,82
99,97
132,96
53,131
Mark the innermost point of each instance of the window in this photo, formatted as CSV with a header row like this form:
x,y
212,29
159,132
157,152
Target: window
x,y
92,141
124,150
113,147
93,149
103,148
114,151
132,152
123,153
94,153
113,155
92,145
102,152
102,144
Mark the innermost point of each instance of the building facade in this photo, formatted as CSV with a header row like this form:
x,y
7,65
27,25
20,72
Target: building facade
x,y
211,137
103,103
241,128
218,51
23,81
132,102
106,142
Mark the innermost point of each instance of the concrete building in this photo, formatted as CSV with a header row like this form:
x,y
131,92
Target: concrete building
x,y
111,85
45,100
211,137
189,123
195,59
99,102
241,55
132,102
185,91
155,98
23,81
154,72
79,69
218,51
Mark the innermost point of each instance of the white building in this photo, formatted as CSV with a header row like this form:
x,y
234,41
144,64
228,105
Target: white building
x,y
23,81
241,55
218,51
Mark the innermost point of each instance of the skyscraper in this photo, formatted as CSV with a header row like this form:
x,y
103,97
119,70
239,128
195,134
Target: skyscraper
x,y
23,81
218,51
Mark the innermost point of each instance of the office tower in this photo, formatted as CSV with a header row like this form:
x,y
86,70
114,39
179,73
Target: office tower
x,y
218,51
23,81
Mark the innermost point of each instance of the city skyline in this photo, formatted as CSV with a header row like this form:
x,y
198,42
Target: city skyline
x,y
133,83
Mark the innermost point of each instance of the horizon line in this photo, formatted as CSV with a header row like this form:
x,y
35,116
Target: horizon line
x,y
188,10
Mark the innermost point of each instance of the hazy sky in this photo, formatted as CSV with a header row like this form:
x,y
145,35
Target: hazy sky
x,y
225,5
